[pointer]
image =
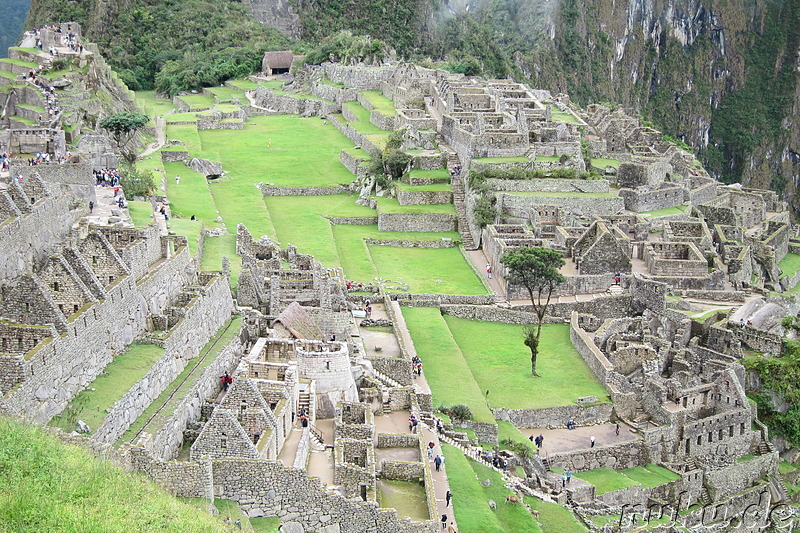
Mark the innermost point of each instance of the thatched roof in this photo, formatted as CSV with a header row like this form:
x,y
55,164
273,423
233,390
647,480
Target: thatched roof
x,y
282,59
298,322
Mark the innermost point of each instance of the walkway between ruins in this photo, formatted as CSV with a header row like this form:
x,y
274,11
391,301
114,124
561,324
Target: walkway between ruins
x,y
161,137
106,211
479,260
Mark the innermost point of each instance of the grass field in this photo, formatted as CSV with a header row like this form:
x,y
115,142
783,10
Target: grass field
x,y
495,354
382,105
141,213
470,498
515,159
790,264
602,162
677,210
47,486
443,360
215,248
426,270
116,379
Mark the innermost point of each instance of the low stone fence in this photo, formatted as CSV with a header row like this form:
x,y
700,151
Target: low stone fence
x,y
397,440
484,431
721,296
443,243
479,166
429,161
556,417
433,222
272,190
173,156
402,470
397,369
353,162
354,221
446,301
518,206
598,362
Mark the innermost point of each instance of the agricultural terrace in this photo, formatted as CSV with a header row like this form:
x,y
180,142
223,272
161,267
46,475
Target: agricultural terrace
x,y
290,151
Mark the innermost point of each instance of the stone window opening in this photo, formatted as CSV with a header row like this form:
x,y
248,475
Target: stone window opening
x,y
327,365
27,307
742,428
111,279
730,431
699,440
710,437
94,259
74,308
720,434
55,286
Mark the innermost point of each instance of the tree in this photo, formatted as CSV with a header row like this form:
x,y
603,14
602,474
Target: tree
x,y
123,127
536,269
136,182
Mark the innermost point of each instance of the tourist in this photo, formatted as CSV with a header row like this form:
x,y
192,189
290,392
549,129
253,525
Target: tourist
x,y
193,218
530,438
91,206
368,311
591,439
488,270
617,429
569,476
438,462
447,497
238,523
303,421
444,519
563,481
177,180
226,381
451,528
571,424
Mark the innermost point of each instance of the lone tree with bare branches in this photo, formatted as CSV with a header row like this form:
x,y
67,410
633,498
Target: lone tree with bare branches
x,y
536,269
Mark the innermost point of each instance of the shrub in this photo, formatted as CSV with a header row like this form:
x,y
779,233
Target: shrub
x,y
136,182
485,211
459,411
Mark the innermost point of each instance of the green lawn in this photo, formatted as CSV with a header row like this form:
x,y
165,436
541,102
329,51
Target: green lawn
x,y
19,63
304,152
154,106
470,498
299,220
382,105
426,270
441,173
187,134
606,480
197,101
443,361
48,486
141,213
790,264
602,162
116,379
677,210
215,248
191,196
495,354
555,518
651,475
564,116
188,228
227,94
174,118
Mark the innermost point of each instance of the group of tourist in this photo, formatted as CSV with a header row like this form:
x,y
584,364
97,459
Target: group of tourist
x,y
416,363
413,422
106,177
73,43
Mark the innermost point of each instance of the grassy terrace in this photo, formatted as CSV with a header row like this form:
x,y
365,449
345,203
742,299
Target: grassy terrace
x,y
141,213
188,228
677,210
23,120
34,108
230,508
439,187
441,173
117,378
382,105
153,106
8,74
564,116
48,486
442,271
602,162
197,101
790,264
181,388
495,354
215,248
227,94
475,516
443,359
19,63
608,480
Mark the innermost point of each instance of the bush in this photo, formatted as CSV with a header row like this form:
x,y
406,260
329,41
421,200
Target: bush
x,y
458,411
136,182
485,211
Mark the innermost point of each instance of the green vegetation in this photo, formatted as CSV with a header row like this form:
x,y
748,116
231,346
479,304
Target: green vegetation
x,y
651,475
606,480
677,210
380,103
116,379
48,486
495,354
426,270
602,162
790,264
14,12
443,359
141,213
469,504
780,375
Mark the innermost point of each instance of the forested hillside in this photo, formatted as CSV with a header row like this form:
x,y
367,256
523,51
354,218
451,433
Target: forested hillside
x,y
14,13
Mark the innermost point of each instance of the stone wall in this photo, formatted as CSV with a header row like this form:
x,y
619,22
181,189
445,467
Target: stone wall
x,y
556,417
417,222
397,369
725,482
201,321
443,243
640,200
618,457
518,206
272,190
411,197
549,185
598,362
402,470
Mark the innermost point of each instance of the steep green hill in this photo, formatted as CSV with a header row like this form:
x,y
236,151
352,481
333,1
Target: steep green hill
x,y
47,486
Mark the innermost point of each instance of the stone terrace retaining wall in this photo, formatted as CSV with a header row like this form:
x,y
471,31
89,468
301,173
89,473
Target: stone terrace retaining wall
x,y
286,104
169,438
417,222
549,185
357,138
406,197
556,417
353,162
429,162
397,369
355,221
586,206
402,470
598,362
202,320
413,244
271,190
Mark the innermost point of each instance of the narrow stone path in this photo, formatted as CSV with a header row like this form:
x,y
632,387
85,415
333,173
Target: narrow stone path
x,y
161,137
106,212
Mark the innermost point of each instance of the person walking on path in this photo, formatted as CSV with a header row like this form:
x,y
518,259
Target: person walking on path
x,y
592,441
177,180
438,463
569,476
617,429
447,498
91,206
489,270
563,481
444,521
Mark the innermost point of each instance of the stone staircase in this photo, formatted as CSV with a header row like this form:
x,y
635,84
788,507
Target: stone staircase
x,y
304,400
705,498
764,447
459,196
386,380
616,289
